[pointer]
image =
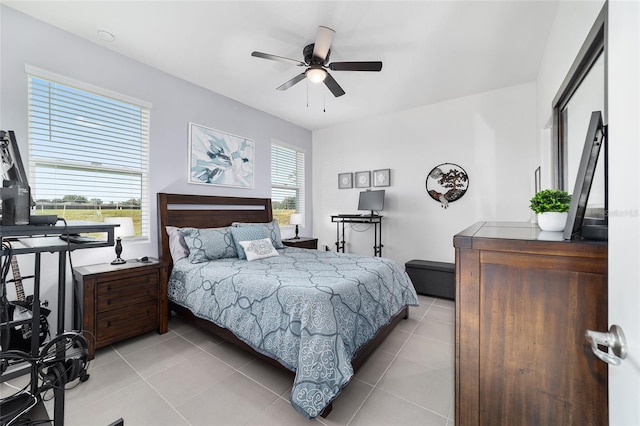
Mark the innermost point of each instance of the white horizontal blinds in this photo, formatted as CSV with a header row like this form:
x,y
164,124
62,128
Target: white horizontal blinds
x,y
89,146
287,177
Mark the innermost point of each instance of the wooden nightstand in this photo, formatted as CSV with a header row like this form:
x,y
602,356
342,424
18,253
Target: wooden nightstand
x,y
115,302
302,242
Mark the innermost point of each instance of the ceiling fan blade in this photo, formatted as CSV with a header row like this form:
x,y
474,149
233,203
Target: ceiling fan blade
x,y
333,86
356,66
291,82
324,38
278,58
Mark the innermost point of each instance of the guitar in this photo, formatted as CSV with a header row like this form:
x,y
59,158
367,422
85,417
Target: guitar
x,y
20,309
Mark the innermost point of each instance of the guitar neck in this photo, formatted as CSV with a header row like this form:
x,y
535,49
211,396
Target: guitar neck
x,y
17,279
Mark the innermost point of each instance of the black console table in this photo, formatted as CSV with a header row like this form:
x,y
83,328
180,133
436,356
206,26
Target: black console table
x,y
30,239
375,220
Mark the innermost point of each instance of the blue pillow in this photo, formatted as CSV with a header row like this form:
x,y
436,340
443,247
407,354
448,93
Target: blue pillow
x,y
246,233
272,230
209,244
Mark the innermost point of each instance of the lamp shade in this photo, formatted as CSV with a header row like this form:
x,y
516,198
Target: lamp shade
x,y
126,226
296,219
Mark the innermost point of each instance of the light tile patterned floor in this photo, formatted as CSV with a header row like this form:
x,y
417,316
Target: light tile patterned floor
x,y
188,377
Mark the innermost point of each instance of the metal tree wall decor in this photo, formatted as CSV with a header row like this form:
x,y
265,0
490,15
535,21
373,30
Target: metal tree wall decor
x,y
447,183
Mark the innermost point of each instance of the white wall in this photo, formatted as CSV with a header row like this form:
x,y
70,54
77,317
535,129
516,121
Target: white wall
x,y
491,135
25,40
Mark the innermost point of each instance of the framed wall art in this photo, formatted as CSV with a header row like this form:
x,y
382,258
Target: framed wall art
x,y
447,183
382,177
345,180
220,158
363,179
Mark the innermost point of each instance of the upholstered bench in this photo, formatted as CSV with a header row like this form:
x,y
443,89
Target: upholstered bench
x,y
433,278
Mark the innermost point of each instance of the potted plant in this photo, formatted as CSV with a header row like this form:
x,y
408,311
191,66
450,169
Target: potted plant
x,y
551,207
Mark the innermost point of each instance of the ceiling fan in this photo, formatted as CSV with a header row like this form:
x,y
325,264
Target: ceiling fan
x,y
316,56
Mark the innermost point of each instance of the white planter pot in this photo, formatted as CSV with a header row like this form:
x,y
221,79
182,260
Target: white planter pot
x,y
552,221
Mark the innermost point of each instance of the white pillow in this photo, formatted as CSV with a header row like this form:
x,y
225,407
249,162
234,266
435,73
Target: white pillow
x,y
177,245
258,249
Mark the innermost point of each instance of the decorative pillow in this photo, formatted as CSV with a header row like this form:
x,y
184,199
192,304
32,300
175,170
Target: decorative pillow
x,y
258,249
209,243
272,231
247,233
177,245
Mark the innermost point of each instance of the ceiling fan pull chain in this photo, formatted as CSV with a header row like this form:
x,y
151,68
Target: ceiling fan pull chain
x,y
324,102
307,93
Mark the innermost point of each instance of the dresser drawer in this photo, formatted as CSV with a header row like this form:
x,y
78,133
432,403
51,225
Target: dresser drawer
x,y
118,324
131,290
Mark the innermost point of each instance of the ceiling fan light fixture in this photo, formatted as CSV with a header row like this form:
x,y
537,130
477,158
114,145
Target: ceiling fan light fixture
x,y
316,74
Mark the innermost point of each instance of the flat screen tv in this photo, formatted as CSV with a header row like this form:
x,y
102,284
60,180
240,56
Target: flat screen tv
x,y
372,201
577,225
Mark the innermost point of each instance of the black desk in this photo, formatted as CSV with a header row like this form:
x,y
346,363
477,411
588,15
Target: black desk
x,y
30,239
375,220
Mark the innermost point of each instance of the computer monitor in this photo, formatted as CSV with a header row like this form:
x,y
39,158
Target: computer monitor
x,y
12,167
372,201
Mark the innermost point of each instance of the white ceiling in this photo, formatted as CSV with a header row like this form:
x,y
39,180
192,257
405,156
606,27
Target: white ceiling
x,y
431,50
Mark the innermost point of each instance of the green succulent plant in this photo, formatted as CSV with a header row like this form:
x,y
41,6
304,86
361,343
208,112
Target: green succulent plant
x,y
550,200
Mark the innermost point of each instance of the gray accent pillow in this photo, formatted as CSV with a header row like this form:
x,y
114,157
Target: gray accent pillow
x,y
247,233
209,243
272,230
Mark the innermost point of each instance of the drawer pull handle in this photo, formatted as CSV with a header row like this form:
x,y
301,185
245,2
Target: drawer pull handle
x,y
108,323
108,301
108,288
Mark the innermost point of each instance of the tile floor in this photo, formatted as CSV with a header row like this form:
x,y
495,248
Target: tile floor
x,y
188,377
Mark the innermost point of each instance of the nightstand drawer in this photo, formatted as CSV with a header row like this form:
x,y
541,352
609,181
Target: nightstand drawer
x,y
129,321
127,291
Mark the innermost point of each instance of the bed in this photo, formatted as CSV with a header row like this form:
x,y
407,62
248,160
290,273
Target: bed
x,y
319,314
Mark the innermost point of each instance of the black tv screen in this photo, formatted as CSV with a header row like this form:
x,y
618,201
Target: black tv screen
x,y
371,200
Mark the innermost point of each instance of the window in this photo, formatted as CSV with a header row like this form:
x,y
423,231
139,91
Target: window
x,y
88,151
287,182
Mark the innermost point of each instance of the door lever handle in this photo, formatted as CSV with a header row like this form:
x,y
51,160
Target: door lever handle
x,y
614,339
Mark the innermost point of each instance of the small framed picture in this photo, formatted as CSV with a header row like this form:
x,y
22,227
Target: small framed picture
x,y
382,177
363,179
345,180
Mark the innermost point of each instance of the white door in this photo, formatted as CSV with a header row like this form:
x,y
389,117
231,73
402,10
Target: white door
x,y
624,204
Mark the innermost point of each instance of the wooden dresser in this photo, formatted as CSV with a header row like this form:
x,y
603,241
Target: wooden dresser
x,y
523,305
115,302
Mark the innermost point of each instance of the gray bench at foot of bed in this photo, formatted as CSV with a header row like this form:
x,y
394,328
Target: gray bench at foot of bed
x,y
433,278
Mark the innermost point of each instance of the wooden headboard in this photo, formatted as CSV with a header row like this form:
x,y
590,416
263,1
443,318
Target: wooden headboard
x,y
206,211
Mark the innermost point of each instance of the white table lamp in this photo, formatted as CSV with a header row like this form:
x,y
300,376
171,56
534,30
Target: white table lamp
x,y
296,219
124,230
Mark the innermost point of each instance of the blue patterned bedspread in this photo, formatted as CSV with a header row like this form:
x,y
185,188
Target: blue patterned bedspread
x,y
310,310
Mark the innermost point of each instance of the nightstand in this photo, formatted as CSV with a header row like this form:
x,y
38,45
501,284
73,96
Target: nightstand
x,y
302,242
115,302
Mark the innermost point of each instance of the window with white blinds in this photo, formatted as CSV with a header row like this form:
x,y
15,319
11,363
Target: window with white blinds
x,y
88,152
287,182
